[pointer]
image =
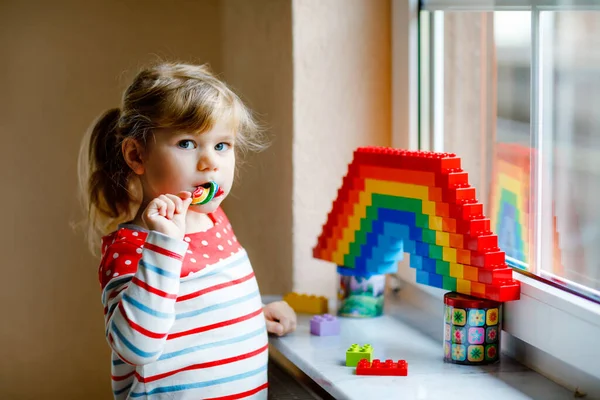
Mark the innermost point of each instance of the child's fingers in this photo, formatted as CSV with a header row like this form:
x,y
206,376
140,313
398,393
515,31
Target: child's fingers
x,y
186,199
170,205
275,328
178,203
156,207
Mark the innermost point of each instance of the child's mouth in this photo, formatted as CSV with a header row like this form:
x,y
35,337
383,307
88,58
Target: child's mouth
x,y
206,192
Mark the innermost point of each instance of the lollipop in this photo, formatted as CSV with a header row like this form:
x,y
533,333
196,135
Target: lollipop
x,y
205,193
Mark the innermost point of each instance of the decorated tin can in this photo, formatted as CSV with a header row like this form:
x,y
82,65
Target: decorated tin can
x,y
361,297
472,329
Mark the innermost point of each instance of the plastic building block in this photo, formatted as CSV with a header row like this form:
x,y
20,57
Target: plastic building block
x,y
387,368
356,353
324,325
304,303
395,201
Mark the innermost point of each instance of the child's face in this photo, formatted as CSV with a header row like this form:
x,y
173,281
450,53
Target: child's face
x,y
182,161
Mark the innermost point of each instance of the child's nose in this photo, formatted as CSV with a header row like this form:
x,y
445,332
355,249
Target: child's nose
x,y
207,162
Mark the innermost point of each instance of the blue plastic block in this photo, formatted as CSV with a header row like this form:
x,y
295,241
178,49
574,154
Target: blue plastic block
x,y
428,265
422,249
416,261
423,277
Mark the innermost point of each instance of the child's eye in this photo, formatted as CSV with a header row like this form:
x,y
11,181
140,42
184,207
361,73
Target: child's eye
x,y
186,144
222,146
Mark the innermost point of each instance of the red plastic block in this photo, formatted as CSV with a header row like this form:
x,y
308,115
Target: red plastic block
x,y
480,242
473,227
504,291
388,368
414,160
452,179
491,259
458,195
471,210
494,276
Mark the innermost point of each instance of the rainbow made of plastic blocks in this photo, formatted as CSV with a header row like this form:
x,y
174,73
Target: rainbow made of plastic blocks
x,y
393,202
304,303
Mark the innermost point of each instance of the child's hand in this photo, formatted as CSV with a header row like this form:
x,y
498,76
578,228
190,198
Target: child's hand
x,y
166,214
281,318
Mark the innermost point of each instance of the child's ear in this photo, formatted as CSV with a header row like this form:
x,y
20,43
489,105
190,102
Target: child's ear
x,y
133,154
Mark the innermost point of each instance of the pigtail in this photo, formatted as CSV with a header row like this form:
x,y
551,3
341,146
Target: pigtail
x,y
103,177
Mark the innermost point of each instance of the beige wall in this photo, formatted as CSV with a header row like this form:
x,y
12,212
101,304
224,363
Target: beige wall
x,y
61,66
257,61
342,100
63,63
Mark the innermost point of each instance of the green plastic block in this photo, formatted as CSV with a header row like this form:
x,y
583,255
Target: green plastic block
x,y
356,353
449,283
436,251
422,221
428,236
442,267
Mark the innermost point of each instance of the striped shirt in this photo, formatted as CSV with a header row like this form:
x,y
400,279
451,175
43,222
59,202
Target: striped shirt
x,y
184,318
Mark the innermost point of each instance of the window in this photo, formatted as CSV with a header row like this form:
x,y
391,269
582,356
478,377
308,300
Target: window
x,y
513,92
513,88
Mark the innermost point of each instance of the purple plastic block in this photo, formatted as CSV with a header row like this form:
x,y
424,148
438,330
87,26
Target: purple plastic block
x,y
324,325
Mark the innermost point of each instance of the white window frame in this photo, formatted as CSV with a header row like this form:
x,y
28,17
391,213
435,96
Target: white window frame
x,y
548,329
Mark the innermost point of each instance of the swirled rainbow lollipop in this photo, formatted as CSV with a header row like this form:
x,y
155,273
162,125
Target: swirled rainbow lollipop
x,y
205,193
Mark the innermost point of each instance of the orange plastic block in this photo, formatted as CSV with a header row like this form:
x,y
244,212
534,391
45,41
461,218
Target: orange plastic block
x,y
387,368
304,303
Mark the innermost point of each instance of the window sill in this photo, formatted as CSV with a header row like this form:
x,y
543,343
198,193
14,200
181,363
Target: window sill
x,y
548,329
321,360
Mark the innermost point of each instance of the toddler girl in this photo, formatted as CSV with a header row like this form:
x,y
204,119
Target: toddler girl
x,y
182,309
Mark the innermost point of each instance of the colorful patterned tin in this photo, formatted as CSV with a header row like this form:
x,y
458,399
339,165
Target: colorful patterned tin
x,y
472,329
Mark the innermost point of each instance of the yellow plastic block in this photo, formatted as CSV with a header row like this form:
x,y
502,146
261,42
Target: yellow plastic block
x,y
456,271
449,254
338,258
304,303
428,208
435,223
442,239
463,286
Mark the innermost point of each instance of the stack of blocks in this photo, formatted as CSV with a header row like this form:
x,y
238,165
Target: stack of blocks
x,y
393,202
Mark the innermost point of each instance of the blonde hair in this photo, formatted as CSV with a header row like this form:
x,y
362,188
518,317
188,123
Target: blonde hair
x,y
167,95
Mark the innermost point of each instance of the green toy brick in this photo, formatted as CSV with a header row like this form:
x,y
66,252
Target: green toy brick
x,y
442,267
356,353
449,283
428,236
436,252
422,221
